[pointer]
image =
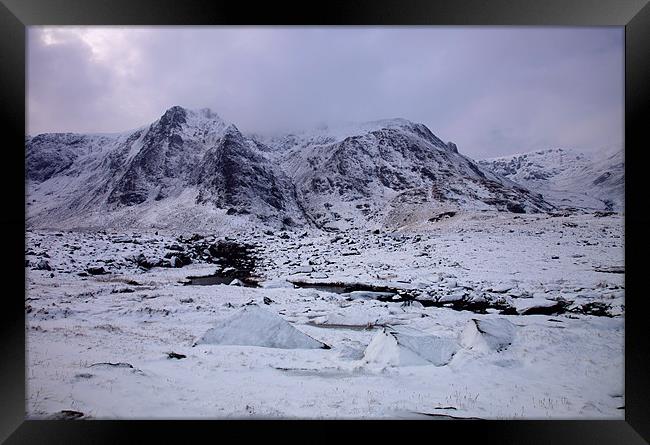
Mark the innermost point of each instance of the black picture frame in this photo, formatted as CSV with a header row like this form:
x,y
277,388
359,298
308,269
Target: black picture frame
x,y
15,15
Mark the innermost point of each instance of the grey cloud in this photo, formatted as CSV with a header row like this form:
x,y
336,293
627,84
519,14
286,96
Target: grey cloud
x,y
494,91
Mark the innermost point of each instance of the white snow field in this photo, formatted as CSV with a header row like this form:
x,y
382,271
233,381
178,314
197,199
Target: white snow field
x,y
478,315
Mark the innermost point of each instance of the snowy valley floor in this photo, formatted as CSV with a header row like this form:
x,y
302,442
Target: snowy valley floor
x,y
99,343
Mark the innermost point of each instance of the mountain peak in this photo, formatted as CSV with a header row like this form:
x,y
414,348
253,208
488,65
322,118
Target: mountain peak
x,y
187,122
415,128
174,117
232,133
179,111
175,110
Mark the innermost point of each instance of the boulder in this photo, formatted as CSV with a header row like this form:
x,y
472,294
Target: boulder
x,y
537,305
254,326
144,262
392,347
501,288
183,258
43,265
487,335
457,295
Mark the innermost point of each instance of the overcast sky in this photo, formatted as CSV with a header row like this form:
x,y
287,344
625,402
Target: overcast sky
x,y
492,90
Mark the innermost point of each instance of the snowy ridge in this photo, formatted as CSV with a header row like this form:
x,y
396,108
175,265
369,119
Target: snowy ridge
x,y
331,134
566,178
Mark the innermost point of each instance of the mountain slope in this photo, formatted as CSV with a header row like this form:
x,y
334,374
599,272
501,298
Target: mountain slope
x,y
391,172
567,178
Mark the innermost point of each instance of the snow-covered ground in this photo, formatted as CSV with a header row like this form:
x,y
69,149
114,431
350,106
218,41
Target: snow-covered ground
x,y
100,343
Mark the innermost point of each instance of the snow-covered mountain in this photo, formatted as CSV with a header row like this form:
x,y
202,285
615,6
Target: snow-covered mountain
x,y
187,168
566,178
390,172
192,169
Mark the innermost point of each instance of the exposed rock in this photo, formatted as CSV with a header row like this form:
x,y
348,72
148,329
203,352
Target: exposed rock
x,y
175,262
441,216
112,365
175,355
452,147
43,265
67,414
145,262
538,305
611,269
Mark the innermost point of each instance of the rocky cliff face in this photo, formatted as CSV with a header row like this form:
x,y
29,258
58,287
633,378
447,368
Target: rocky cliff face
x,y
235,176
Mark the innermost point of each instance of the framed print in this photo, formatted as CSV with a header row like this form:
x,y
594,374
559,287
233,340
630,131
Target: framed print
x,y
348,219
